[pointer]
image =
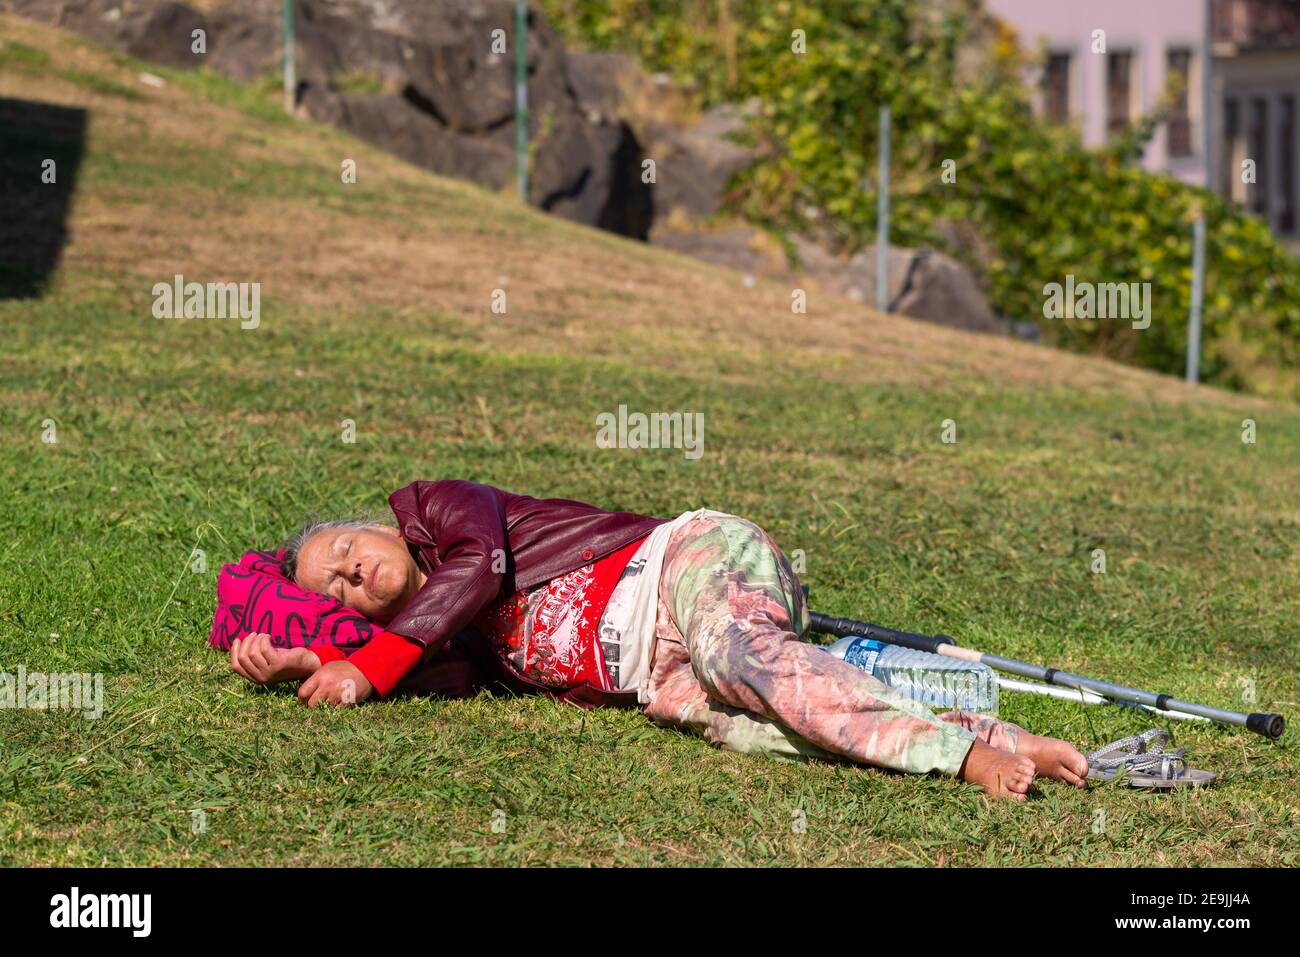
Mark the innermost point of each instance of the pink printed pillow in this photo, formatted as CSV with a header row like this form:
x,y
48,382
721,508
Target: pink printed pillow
x,y
254,596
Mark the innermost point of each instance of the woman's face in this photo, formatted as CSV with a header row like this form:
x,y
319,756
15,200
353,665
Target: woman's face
x,y
367,569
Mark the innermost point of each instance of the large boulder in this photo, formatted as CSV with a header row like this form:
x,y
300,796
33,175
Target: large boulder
x,y
157,30
433,82
445,51
606,86
439,56
403,128
592,174
694,163
695,157
167,34
943,290
855,278
422,80
923,284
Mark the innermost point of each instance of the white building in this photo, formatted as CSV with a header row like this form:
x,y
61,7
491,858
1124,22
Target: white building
x,y
1241,57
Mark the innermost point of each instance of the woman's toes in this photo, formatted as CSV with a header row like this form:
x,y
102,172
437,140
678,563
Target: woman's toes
x,y
1073,768
1023,775
1079,765
1061,760
1069,777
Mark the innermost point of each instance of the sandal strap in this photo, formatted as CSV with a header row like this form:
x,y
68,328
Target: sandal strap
x,y
1151,736
1141,754
1117,750
1164,765
1137,750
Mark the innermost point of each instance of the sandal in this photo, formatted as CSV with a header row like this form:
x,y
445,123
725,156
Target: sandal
x,y
1144,763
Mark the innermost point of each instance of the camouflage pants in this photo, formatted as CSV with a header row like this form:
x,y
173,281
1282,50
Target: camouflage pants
x,y
728,664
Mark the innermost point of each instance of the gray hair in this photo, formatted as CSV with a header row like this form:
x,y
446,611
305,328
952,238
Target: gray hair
x,y
292,545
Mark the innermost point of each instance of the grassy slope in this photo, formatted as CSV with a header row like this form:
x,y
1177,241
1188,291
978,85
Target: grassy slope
x,y
824,428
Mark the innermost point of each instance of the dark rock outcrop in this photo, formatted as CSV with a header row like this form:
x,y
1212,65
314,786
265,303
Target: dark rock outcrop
x,y
157,30
604,84
695,163
923,284
433,83
403,128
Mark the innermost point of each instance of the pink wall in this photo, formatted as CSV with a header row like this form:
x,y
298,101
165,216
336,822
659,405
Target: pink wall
x,y
1147,27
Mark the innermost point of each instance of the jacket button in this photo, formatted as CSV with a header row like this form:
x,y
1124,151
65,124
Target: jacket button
x,y
588,554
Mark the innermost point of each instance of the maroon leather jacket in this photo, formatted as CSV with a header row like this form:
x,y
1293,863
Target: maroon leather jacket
x,y
477,543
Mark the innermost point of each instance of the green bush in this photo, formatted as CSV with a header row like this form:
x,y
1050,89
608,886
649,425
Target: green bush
x,y
1041,205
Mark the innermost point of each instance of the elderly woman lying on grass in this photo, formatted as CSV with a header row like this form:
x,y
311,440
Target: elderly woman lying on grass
x,y
696,620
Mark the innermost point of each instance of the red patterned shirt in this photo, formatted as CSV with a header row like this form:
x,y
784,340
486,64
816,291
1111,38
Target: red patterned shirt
x,y
551,634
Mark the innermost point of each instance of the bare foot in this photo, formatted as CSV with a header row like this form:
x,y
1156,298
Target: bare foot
x,y
1054,758
999,773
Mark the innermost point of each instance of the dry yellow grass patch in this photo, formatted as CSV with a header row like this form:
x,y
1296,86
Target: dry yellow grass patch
x,y
443,246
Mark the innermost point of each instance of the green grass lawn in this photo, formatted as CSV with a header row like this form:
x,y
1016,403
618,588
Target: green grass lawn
x,y
825,429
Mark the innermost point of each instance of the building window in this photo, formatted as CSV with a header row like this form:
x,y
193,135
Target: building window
x,y
1259,153
1179,125
1286,167
1056,88
1119,92
1233,153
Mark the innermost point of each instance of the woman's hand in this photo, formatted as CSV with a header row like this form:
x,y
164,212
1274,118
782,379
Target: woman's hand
x,y
337,683
258,660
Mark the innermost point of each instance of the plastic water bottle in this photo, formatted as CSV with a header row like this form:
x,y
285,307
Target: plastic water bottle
x,y
933,680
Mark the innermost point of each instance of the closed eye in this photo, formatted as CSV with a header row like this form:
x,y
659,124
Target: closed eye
x,y
342,546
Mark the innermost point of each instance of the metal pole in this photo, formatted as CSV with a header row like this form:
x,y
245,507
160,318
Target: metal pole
x,y
1198,293
882,216
521,96
1086,697
1268,725
290,78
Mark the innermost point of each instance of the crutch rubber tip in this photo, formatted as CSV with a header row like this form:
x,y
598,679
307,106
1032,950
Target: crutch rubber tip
x,y
1269,725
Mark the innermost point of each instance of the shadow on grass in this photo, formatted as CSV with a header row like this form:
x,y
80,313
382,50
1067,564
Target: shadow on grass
x,y
41,148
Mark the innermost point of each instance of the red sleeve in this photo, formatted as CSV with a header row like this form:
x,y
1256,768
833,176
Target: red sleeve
x,y
327,653
385,659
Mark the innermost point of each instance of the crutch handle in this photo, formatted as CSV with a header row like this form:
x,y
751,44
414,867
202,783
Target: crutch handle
x,y
844,627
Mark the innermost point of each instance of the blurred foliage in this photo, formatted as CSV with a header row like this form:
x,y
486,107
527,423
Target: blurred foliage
x,y
1029,206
